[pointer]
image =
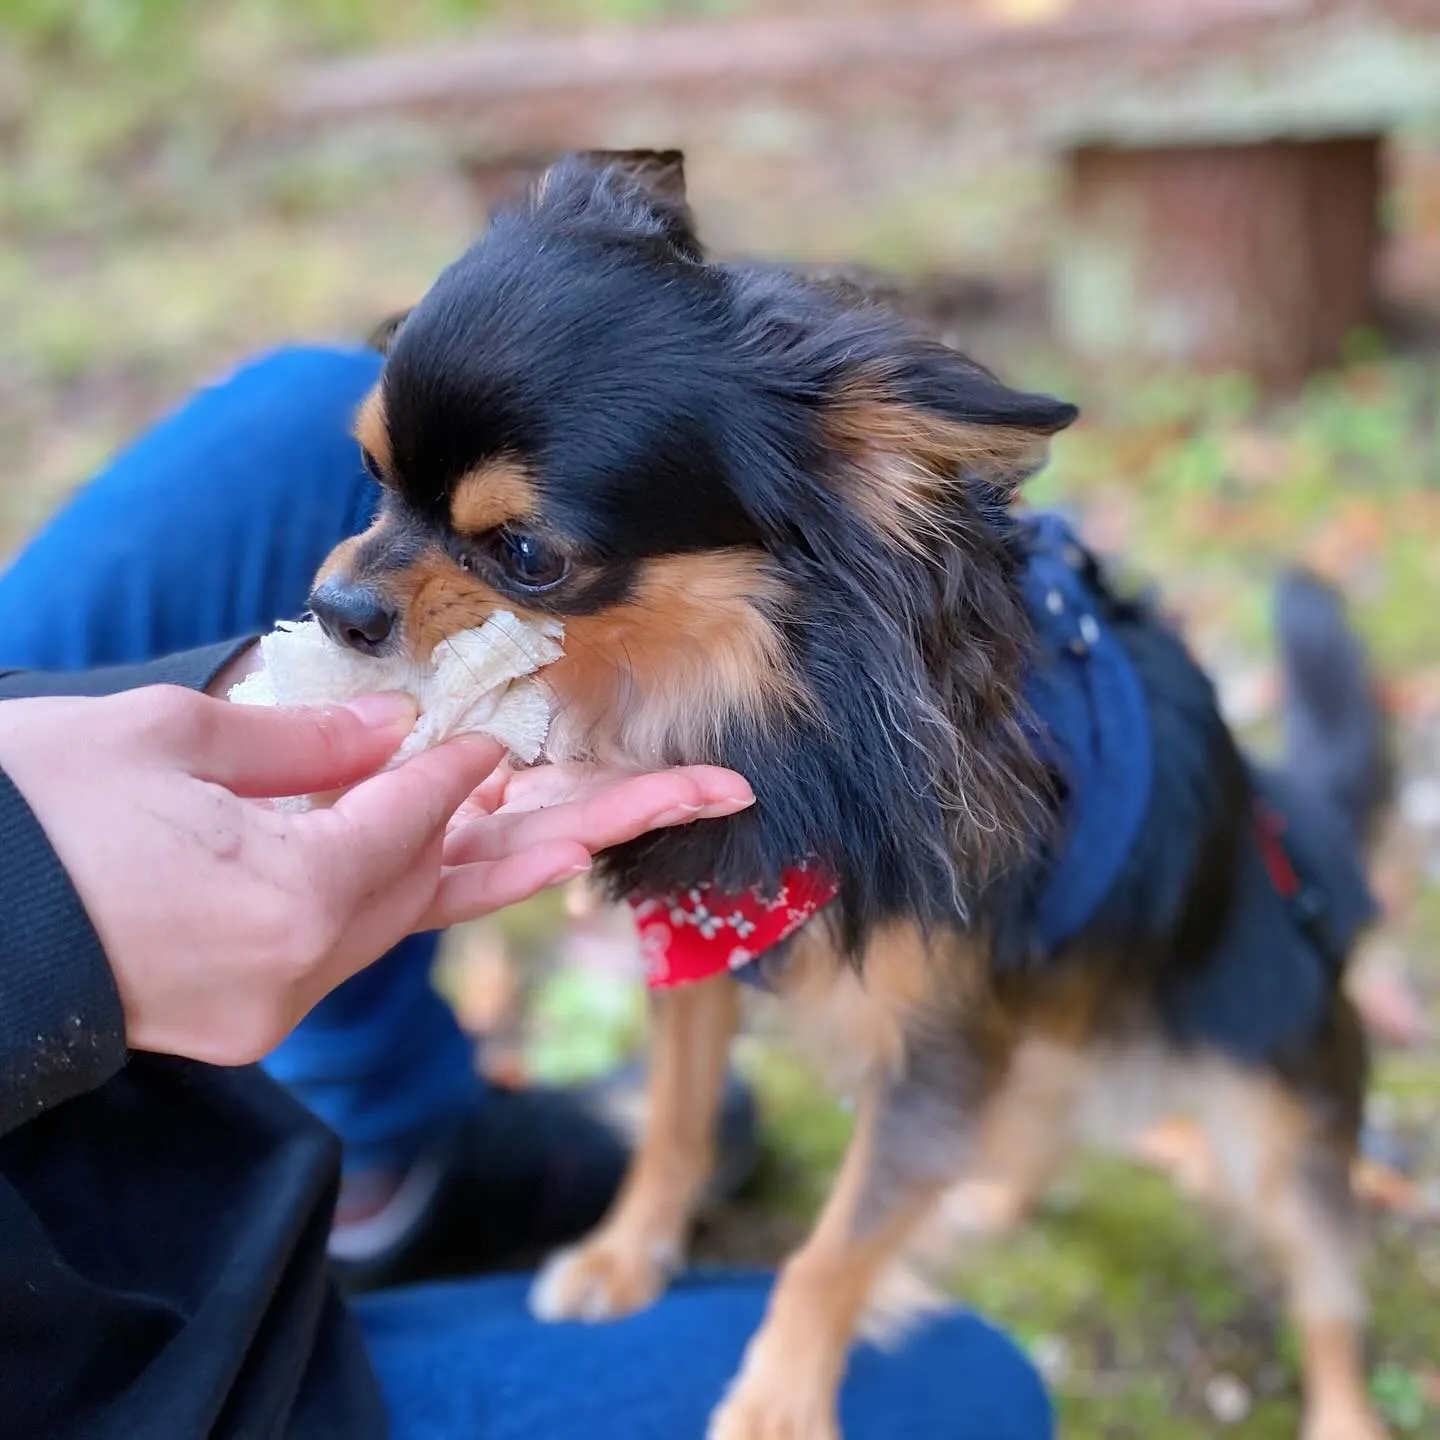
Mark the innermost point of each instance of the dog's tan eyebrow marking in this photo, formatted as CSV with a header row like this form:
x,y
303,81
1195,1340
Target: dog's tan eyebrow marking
x,y
491,496
372,430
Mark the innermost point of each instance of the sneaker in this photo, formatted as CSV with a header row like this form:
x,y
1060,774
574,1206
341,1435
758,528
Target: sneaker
x,y
529,1171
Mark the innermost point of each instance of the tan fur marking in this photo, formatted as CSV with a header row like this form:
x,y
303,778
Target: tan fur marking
x,y
434,595
854,1022
437,597
492,496
837,1019
649,681
372,430
1268,1148
908,979
655,679
337,562
862,422
793,1367
903,459
627,1262
1066,1008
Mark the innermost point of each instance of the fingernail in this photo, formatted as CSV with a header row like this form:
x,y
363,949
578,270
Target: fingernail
x,y
384,709
582,869
678,815
728,806
475,740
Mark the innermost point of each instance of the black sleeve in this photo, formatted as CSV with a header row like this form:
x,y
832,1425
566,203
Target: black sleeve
x,y
62,1031
194,669
61,1028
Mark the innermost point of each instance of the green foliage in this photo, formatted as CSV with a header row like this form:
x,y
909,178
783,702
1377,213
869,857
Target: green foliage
x,y
582,1025
1400,1396
1218,490
93,30
116,31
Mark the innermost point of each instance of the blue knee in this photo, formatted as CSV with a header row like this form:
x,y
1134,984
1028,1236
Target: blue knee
x,y
209,526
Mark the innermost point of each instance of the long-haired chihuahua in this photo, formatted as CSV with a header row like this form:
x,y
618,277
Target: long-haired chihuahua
x,y
1006,852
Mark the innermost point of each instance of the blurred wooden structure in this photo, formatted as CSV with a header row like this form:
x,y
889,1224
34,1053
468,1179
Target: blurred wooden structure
x,y
1227,214
1223,158
1258,257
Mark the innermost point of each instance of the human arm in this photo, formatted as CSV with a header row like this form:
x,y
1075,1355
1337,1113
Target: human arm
x,y
222,920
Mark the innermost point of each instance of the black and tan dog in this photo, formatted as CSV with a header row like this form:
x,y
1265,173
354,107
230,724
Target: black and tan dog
x,y
781,528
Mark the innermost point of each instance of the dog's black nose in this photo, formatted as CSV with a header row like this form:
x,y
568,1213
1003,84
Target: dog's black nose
x,y
353,615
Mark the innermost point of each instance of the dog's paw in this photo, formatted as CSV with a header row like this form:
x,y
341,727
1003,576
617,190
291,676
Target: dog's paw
x,y
603,1278
774,1412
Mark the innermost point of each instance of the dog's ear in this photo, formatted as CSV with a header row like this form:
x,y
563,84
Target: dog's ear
x,y
637,188
660,173
912,426
383,335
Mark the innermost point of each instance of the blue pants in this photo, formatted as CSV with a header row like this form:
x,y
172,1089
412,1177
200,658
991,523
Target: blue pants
x,y
211,526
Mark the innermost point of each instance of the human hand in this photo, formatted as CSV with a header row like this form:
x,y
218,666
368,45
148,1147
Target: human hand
x,y
498,854
549,820
226,920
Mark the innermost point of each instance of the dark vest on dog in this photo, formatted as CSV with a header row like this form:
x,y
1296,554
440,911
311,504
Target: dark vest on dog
x,y
1091,725
1299,895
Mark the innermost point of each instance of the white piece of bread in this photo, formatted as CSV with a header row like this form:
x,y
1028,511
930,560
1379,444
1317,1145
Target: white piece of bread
x,y
477,681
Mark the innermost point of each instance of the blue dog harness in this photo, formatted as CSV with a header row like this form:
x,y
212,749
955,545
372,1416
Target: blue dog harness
x,y
1090,723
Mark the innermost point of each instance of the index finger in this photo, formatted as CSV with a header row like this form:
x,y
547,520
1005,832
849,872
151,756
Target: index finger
x,y
608,812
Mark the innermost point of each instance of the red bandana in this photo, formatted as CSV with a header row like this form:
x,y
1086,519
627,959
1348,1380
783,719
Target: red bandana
x,y
700,933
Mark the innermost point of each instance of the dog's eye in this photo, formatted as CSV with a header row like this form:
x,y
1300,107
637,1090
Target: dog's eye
x,y
529,562
372,466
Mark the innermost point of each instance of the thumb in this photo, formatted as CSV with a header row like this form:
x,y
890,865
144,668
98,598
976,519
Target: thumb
x,y
263,752
389,820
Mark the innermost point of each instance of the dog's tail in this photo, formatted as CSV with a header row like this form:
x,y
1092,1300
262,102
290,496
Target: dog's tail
x,y
1337,734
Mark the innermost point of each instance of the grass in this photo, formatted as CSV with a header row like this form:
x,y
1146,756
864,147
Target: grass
x,y
153,236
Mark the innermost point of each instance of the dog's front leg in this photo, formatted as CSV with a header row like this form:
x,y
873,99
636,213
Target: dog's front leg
x,y
909,1142
630,1259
